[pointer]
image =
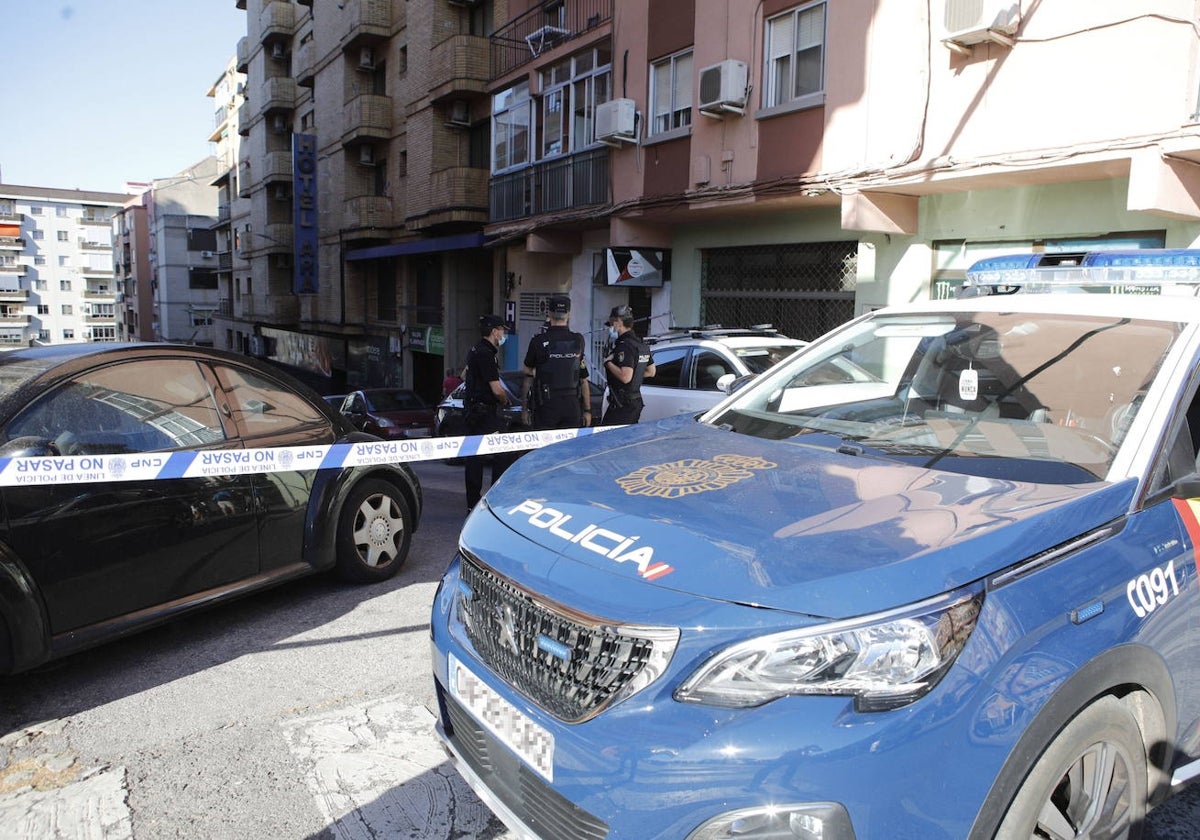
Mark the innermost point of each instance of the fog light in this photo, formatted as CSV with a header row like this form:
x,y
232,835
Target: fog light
x,y
810,821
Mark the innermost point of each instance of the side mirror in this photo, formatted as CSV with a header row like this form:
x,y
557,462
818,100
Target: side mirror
x,y
731,382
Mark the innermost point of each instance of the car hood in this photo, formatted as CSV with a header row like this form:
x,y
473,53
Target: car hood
x,y
780,524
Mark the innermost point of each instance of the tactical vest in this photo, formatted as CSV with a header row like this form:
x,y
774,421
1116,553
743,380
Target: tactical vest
x,y
624,392
557,371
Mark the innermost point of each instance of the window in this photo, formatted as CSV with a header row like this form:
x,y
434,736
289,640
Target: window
x,y
261,407
132,407
35,210
64,285
43,309
60,211
39,235
668,367
64,261
671,93
68,335
68,309
795,57
39,260
512,124
201,319
572,89
63,236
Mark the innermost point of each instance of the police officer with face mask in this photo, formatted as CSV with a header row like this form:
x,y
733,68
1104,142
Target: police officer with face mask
x,y
626,366
555,393
484,402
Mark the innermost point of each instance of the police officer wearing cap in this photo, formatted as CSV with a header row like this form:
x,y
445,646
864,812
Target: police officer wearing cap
x,y
555,393
484,401
626,366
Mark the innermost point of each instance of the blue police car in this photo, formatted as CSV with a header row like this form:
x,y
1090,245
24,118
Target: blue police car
x,y
953,595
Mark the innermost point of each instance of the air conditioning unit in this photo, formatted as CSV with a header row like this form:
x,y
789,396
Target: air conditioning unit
x,y
723,88
616,119
207,255
278,51
460,112
366,59
968,22
280,193
366,155
279,124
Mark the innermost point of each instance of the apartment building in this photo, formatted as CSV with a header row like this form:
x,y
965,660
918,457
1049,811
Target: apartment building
x,y
56,266
233,211
705,161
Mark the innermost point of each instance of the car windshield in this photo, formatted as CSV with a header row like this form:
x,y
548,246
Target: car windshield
x,y
395,401
758,359
1042,398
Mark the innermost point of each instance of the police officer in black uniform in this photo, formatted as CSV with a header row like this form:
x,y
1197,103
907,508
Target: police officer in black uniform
x,y
626,366
555,393
484,402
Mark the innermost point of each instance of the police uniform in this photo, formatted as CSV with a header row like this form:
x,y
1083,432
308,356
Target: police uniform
x,y
625,399
557,396
483,412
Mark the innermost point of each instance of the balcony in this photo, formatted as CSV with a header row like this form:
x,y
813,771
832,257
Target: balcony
x,y
92,245
370,22
11,243
12,269
543,28
14,319
11,293
304,63
368,117
278,20
243,54
223,215
277,239
278,94
277,166
95,219
458,65
91,271
367,211
565,183
456,195
12,218
274,309
225,261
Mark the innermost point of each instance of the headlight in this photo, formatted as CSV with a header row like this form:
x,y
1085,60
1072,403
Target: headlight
x,y
884,661
384,423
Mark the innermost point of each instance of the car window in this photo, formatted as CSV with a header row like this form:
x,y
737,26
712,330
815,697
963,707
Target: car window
x,y
396,401
261,406
668,367
138,406
758,359
709,367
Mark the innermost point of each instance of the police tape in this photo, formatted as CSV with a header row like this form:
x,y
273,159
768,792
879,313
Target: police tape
x,y
151,466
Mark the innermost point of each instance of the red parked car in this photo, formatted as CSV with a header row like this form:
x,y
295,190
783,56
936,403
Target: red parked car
x,y
390,413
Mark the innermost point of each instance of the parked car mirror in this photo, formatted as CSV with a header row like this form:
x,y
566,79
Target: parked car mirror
x,y
731,382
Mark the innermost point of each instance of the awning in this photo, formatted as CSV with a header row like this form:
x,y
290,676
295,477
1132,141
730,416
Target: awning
x,y
420,246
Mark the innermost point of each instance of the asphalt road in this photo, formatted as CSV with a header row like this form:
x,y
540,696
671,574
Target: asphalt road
x,y
303,712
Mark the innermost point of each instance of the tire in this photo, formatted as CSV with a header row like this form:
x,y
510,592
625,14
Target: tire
x,y
374,532
1091,782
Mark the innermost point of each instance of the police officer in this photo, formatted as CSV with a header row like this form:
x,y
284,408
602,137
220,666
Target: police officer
x,y
484,402
555,394
626,366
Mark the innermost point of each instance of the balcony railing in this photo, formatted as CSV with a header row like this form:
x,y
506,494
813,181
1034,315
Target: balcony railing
x,y
543,28
579,180
368,116
12,243
277,20
277,166
92,245
13,268
93,219
18,218
368,211
243,54
278,94
370,21
13,295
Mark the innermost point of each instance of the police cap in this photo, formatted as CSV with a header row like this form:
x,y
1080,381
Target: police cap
x,y
487,323
623,313
558,305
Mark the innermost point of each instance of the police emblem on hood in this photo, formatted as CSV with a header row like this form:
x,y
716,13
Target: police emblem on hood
x,y
691,475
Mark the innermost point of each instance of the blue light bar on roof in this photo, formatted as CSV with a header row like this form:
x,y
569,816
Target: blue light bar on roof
x,y
1140,271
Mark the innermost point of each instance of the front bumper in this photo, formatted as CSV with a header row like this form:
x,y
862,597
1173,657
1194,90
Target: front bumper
x,y
652,767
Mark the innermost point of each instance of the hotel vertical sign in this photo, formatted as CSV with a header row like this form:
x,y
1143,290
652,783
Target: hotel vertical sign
x,y
304,211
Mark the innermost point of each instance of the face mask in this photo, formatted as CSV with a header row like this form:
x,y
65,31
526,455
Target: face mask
x,y
503,338
612,333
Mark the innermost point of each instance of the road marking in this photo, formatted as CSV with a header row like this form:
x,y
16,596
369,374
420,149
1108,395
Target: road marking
x,y
92,808
377,770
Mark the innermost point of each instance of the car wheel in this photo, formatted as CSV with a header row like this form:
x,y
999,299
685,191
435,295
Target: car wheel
x,y
1090,782
374,532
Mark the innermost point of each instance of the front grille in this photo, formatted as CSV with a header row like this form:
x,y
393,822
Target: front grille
x,y
572,666
522,791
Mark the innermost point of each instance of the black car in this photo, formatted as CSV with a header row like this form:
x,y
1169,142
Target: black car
x,y
81,563
450,421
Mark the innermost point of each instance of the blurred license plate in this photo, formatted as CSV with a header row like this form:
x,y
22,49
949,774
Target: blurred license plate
x,y
533,743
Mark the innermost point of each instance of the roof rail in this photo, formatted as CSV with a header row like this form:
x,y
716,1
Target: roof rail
x,y
713,331
1146,271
